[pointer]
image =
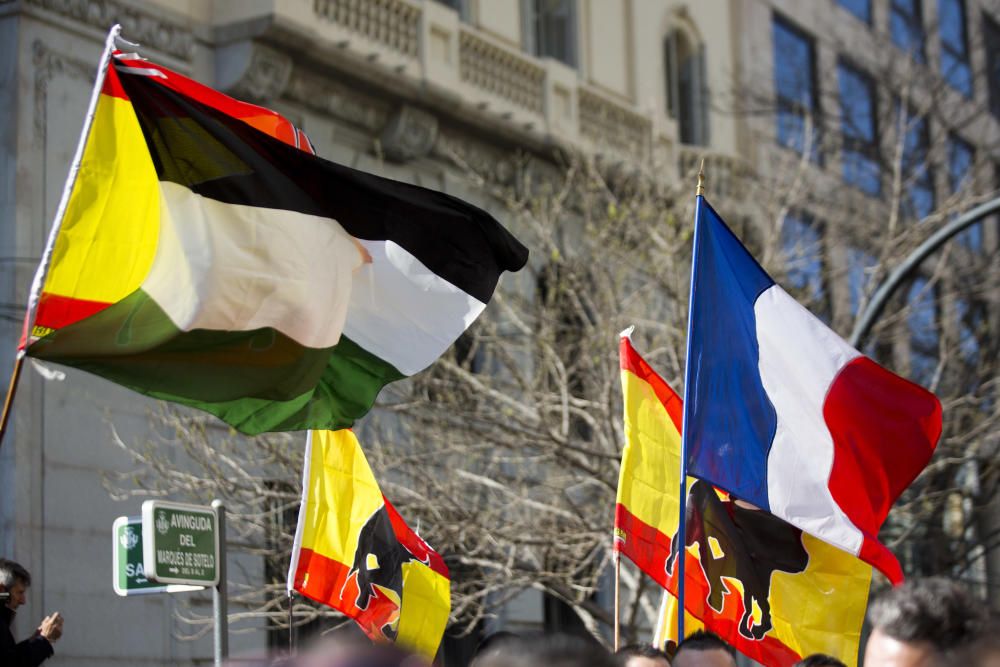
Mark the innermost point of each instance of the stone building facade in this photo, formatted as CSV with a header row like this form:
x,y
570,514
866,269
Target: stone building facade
x,y
422,91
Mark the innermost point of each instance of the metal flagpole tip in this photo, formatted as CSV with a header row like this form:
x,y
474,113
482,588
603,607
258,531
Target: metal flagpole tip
x,y
700,190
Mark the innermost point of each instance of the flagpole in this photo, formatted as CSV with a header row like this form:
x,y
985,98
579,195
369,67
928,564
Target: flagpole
x,y
291,623
618,572
681,536
43,263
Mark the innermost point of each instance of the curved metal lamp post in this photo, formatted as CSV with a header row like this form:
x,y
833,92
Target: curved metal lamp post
x,y
886,289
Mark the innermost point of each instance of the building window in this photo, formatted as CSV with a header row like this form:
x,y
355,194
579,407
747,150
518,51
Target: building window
x,y
551,29
860,8
906,25
460,6
860,268
860,149
801,241
687,89
991,40
961,157
955,46
918,179
972,323
922,324
795,89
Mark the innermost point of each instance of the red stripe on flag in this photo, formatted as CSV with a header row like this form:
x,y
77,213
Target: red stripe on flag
x,y
258,117
644,545
635,364
325,581
884,431
414,543
55,311
112,85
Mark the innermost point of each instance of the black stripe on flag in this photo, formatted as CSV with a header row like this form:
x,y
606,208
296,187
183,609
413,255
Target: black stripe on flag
x,y
221,157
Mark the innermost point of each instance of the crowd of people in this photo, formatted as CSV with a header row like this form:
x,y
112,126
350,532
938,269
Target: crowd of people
x,y
931,622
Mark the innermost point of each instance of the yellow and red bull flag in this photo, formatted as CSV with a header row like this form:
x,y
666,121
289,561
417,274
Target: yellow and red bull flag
x,y
771,591
204,258
353,551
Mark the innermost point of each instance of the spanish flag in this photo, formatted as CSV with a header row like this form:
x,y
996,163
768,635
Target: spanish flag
x,y
353,551
755,580
208,257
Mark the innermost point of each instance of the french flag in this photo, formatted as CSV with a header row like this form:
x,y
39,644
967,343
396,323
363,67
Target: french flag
x,y
783,413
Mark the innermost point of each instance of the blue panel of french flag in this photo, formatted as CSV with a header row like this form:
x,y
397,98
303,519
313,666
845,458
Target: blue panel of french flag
x,y
783,413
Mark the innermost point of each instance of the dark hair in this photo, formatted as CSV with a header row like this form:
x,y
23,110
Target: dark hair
x,y
557,650
623,654
703,640
11,573
494,640
819,660
934,610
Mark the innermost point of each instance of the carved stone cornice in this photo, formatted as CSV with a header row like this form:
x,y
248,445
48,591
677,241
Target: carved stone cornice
x,y
47,64
409,134
254,72
137,26
336,100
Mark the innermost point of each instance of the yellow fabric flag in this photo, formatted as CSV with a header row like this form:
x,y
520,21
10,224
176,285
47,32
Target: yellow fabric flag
x,y
773,592
354,552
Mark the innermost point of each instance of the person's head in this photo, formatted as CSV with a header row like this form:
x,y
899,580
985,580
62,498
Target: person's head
x,y
545,651
492,643
641,655
983,652
14,580
819,660
918,623
704,649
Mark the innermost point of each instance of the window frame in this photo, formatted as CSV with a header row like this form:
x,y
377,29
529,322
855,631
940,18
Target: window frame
x,y
866,18
991,45
690,112
912,18
865,150
818,294
920,125
960,53
796,107
531,22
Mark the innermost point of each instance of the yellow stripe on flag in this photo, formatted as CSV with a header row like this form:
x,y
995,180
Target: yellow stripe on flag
x,y
386,587
650,473
426,607
109,234
343,494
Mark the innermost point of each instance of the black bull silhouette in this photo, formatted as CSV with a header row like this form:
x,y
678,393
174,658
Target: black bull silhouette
x,y
378,562
753,545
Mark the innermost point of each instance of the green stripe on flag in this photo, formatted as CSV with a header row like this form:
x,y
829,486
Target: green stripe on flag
x,y
257,381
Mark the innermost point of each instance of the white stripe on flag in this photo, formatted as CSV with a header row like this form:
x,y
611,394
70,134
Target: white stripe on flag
x,y
404,313
799,360
229,267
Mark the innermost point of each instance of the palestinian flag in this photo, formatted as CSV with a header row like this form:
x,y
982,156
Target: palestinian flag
x,y
354,552
205,259
755,580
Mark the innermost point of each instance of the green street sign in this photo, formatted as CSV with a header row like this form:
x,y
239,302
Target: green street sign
x,y
180,543
129,570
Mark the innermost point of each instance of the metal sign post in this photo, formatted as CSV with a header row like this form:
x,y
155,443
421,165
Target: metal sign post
x,y
186,544
220,599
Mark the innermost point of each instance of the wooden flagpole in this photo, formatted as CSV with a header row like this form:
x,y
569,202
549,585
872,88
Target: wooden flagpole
x,y
43,264
618,572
